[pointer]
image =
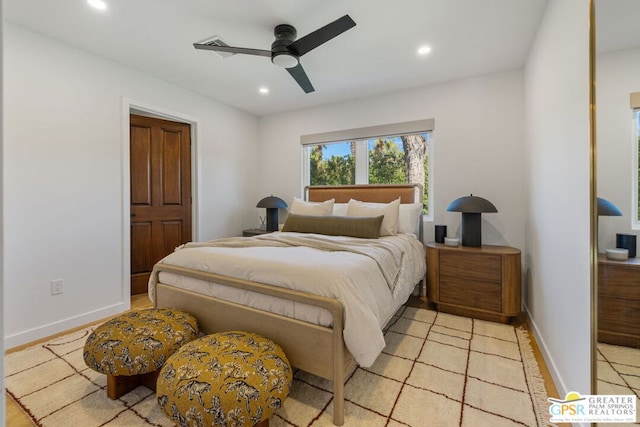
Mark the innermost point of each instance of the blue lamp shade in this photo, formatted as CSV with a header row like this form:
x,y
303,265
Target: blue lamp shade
x,y
272,204
471,208
606,208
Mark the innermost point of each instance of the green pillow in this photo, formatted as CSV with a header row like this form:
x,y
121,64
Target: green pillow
x,y
352,226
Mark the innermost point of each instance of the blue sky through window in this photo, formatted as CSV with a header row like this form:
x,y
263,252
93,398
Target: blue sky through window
x,y
344,148
340,149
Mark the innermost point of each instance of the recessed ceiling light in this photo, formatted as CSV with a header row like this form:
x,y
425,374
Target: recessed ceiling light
x,y
423,50
264,90
98,4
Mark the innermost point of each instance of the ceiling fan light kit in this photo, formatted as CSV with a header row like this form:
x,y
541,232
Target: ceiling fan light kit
x,y
286,50
285,60
280,53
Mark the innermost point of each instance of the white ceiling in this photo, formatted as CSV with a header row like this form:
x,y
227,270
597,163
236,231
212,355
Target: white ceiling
x,y
468,38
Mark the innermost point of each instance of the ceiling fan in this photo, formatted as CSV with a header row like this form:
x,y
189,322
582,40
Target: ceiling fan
x,y
286,50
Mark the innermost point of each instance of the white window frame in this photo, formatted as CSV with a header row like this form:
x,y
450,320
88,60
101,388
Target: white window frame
x,y
635,147
361,136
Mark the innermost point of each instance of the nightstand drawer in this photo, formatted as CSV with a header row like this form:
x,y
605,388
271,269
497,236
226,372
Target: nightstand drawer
x,y
619,316
471,266
471,293
619,281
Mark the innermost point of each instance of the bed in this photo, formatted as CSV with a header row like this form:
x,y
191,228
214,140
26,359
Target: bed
x,y
312,316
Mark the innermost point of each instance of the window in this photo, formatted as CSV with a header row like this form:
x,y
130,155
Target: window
x,y
399,159
636,169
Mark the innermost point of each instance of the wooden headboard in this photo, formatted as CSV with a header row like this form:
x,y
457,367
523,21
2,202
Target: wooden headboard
x,y
379,193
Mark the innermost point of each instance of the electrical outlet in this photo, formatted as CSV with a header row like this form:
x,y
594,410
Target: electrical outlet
x,y
56,287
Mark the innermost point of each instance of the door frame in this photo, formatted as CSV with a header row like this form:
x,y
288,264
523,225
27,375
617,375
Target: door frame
x,y
130,106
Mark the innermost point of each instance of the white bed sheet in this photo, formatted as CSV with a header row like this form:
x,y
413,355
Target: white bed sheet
x,y
355,279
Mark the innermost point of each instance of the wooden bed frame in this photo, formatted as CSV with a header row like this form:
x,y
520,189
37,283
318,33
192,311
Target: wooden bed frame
x,y
315,349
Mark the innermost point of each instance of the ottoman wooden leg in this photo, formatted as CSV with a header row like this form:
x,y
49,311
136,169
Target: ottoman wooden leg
x,y
122,384
150,379
264,423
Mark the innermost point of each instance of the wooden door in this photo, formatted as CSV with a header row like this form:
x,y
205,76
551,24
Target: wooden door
x,y
160,156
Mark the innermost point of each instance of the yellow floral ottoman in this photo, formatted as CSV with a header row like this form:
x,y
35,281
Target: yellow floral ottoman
x,y
225,379
132,347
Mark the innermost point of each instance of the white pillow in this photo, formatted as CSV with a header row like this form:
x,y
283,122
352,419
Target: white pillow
x,y
340,209
409,218
390,211
301,207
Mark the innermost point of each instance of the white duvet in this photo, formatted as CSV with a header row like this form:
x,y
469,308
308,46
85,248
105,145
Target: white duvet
x,y
363,280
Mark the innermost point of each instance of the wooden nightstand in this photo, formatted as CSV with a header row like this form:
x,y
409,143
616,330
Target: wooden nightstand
x,y
479,282
254,232
619,301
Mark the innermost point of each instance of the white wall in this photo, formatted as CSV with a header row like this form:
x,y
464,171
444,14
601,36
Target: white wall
x,y
2,393
616,78
478,146
63,174
557,180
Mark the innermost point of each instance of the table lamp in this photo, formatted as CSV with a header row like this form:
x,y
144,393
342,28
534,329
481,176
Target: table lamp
x,y
606,208
272,204
471,208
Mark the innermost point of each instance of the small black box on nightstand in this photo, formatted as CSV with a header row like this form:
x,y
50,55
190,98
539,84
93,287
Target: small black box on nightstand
x,y
627,241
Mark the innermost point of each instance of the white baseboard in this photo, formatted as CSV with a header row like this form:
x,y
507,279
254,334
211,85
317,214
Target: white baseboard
x,y
548,359
34,334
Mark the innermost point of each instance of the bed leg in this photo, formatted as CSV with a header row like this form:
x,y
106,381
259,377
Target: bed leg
x,y
338,401
339,367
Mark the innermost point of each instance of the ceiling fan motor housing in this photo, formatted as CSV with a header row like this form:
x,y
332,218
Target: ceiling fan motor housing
x,y
280,54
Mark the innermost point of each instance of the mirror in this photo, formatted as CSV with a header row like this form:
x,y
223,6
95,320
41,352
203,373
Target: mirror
x,y
617,75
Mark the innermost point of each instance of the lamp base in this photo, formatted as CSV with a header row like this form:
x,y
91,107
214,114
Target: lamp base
x,y
471,229
272,219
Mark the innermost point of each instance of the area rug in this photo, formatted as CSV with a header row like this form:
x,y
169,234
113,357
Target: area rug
x,y
436,370
619,372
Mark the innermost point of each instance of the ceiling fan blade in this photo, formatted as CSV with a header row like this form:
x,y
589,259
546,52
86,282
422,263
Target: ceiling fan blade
x,y
321,35
231,49
300,76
